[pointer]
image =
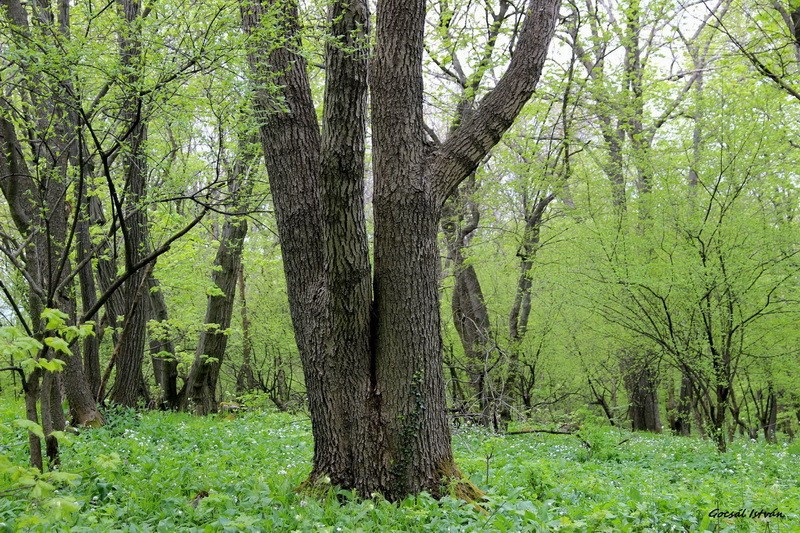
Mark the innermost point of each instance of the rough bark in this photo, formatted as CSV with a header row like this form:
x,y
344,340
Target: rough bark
x,y
396,439
291,143
349,366
129,384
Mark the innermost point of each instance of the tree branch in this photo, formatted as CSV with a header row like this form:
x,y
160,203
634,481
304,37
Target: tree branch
x,y
469,143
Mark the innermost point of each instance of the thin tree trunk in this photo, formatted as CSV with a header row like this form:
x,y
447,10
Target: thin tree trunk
x,y
91,344
770,416
245,379
470,316
201,383
165,368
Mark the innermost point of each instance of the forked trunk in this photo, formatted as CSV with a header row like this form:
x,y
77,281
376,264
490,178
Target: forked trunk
x,y
373,373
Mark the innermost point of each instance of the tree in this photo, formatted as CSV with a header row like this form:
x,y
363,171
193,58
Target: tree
x,y
201,383
372,361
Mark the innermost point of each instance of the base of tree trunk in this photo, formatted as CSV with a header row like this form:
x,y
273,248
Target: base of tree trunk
x,y
89,420
452,482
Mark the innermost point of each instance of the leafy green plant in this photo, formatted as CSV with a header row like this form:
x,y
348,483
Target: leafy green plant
x,y
175,472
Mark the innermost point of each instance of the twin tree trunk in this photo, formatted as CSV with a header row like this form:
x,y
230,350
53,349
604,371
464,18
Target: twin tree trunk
x,y
371,348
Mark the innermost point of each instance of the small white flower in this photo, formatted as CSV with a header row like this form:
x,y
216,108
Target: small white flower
x,y
303,503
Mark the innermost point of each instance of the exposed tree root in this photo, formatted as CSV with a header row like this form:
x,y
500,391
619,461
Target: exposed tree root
x,y
317,487
459,486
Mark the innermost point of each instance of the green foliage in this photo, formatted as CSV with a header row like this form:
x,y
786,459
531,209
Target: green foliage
x,y
24,483
175,472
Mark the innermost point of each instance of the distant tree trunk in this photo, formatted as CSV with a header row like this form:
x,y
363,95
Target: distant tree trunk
x,y
521,307
201,383
91,344
470,316
682,409
245,379
769,415
106,274
641,383
165,368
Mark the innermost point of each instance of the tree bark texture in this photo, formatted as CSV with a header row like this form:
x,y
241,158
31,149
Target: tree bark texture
x,y
372,358
129,384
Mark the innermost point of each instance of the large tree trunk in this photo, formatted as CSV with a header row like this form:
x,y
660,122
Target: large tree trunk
x,y
292,144
417,453
377,403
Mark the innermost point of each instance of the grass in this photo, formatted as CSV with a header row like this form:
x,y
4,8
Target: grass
x,y
157,471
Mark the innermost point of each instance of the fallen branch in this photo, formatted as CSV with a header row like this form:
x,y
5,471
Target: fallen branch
x,y
552,432
549,431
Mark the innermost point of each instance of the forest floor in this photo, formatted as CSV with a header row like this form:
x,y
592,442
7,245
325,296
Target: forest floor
x,y
155,471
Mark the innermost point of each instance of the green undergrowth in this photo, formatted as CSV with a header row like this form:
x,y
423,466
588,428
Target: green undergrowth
x,y
174,472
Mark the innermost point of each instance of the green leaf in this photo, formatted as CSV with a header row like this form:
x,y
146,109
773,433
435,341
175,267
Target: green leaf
x,y
42,488
58,344
107,462
63,507
63,477
53,365
31,426
63,437
55,319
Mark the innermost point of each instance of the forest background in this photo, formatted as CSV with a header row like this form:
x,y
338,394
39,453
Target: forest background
x,y
628,248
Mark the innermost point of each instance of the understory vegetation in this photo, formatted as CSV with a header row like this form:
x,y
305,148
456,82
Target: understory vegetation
x,y
157,471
